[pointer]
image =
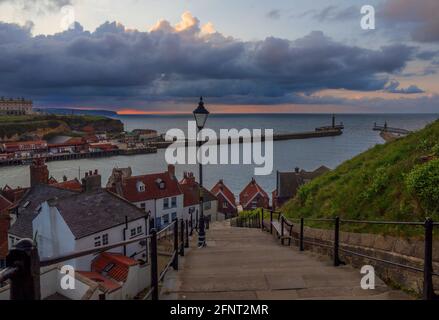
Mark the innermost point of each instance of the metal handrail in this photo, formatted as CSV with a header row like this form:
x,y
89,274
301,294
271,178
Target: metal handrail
x,y
381,260
7,273
163,273
337,246
409,223
166,228
44,262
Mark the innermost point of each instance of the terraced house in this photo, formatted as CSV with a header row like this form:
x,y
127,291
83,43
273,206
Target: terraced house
x,y
158,194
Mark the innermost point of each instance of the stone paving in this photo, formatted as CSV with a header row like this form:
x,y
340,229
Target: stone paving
x,y
248,264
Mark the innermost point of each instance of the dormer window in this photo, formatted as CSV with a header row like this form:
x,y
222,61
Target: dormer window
x,y
161,184
140,186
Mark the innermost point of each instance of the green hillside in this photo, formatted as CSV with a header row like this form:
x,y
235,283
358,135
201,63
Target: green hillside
x,y
395,181
20,127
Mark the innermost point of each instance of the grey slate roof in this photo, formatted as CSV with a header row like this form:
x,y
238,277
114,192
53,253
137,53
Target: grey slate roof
x,y
36,195
84,213
89,213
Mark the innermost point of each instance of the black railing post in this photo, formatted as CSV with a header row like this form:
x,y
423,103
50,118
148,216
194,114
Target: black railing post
x,y
154,266
186,244
282,229
25,283
262,219
175,262
271,221
336,242
182,238
428,290
302,222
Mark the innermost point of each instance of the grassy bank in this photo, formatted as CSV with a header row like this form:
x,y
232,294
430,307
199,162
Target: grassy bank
x,y
396,181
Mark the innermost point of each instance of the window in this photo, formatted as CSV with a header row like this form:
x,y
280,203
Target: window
x,y
2,263
139,229
174,216
133,232
254,204
165,203
143,205
166,219
207,205
140,186
98,241
174,202
105,239
225,204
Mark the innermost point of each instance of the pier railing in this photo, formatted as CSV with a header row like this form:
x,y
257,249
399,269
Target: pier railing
x,y
336,247
24,264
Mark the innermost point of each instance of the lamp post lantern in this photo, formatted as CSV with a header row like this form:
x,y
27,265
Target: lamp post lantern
x,y
200,115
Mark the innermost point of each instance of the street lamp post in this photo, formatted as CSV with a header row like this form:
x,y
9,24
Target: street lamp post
x,y
201,115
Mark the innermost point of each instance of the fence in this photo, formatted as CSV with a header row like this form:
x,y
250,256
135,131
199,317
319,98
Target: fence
x,y
336,247
251,221
24,264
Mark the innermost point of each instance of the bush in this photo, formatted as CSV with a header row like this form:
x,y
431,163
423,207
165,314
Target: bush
x,y
423,183
435,150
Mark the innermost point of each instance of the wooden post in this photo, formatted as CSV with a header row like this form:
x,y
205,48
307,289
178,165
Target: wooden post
x,y
428,290
154,266
175,262
302,222
25,283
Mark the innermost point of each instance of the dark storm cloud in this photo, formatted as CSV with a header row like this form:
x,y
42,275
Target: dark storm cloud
x,y
394,87
421,17
113,64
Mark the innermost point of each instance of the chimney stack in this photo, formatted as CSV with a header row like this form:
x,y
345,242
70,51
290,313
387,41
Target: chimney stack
x,y
296,170
171,170
39,174
91,182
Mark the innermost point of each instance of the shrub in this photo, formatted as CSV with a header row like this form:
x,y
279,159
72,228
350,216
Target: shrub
x,y
435,150
423,183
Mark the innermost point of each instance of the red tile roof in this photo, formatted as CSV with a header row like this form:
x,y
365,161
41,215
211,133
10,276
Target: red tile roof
x,y
120,268
250,191
191,193
220,187
4,204
52,180
152,189
13,195
105,283
4,227
73,185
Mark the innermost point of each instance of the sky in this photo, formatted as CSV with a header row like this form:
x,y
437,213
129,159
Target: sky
x,y
244,56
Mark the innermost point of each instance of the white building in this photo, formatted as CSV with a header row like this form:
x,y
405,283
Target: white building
x,y
15,106
64,221
158,194
191,193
